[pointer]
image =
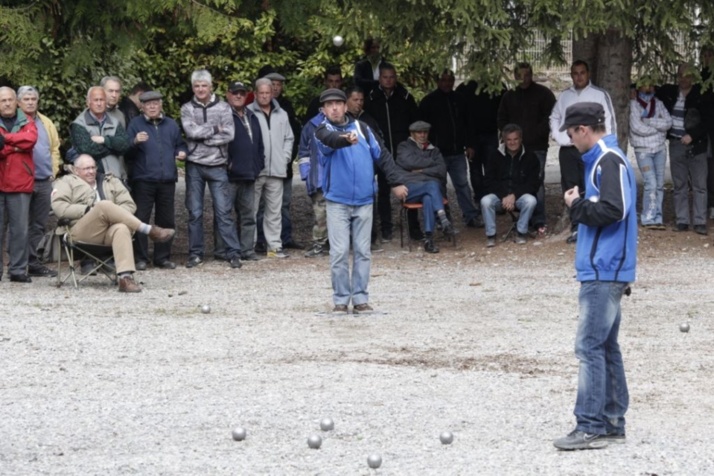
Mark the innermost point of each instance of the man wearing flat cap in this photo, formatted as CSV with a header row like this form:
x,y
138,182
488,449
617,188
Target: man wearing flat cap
x,y
156,145
349,151
605,261
425,172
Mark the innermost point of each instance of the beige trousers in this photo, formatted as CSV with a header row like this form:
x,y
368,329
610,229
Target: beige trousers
x,y
109,224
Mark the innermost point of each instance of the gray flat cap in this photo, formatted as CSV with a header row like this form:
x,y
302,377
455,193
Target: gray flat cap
x,y
333,94
275,77
419,126
150,96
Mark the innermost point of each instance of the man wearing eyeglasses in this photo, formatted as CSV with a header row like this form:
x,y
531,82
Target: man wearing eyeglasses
x,y
605,261
100,211
582,90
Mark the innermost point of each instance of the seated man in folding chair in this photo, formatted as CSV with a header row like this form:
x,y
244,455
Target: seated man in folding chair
x,y
426,173
511,182
100,211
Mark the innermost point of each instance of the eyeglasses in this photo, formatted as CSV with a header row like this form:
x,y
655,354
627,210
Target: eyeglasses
x,y
86,169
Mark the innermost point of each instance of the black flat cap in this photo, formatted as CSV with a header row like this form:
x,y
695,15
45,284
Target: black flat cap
x,y
150,96
583,114
333,94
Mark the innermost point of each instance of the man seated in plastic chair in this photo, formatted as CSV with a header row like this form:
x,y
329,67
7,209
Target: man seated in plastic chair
x,y
100,211
511,181
426,173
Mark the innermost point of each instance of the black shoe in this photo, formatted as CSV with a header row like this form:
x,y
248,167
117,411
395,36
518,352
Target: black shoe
x,y
449,230
293,245
250,257
316,250
700,229
87,267
429,246
573,238
416,235
261,248
20,278
386,236
194,261
41,271
141,265
475,222
681,227
165,265
235,263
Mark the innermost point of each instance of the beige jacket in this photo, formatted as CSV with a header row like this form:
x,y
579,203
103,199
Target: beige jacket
x,y
71,196
54,142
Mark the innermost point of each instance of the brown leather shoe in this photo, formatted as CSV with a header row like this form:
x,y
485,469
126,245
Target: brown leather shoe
x,y
161,235
128,285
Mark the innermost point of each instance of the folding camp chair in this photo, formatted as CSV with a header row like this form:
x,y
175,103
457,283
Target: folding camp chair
x,y
72,251
403,217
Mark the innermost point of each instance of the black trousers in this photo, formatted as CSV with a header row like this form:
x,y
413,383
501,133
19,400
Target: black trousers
x,y
149,196
572,171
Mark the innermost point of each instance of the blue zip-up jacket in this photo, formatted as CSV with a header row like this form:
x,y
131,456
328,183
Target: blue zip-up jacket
x,y
309,156
348,170
607,230
155,159
246,156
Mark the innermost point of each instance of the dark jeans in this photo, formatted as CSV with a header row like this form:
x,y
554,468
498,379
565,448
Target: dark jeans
x,y
242,194
384,203
149,196
40,207
539,218
14,210
484,145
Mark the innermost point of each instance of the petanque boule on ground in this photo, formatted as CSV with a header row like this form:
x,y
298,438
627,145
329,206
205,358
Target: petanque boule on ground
x,y
446,437
684,327
326,424
206,309
314,442
374,461
239,434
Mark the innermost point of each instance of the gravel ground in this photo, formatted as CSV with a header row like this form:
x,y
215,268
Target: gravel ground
x,y
473,341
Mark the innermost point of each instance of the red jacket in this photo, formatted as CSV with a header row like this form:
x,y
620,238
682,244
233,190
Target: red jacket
x,y
17,170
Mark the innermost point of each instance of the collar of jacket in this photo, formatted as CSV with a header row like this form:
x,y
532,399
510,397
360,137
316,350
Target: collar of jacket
x,y
19,122
503,151
428,147
90,118
211,102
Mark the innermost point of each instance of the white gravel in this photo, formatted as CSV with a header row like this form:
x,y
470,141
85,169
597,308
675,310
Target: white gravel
x,y
470,341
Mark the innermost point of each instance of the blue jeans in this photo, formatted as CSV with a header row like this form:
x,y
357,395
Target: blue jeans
x,y
457,168
651,166
490,204
539,217
242,196
602,389
343,222
15,210
429,195
197,176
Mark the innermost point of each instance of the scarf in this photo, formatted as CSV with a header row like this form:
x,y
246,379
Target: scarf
x,y
647,101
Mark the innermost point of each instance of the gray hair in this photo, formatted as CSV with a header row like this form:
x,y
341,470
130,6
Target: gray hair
x,y
25,90
83,158
7,89
263,82
510,129
201,75
89,92
106,79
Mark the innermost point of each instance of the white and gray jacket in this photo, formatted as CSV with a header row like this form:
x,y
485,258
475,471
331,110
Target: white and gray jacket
x,y
277,139
570,96
208,128
648,134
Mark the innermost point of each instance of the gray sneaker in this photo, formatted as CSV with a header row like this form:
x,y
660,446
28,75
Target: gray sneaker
x,y
579,440
490,241
316,250
520,239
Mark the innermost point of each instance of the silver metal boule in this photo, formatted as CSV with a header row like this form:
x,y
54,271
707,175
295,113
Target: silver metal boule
x,y
446,437
337,40
314,442
239,434
205,309
326,424
684,327
374,461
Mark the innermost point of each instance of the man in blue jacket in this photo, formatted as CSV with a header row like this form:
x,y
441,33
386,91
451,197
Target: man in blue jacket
x,y
605,259
156,144
349,149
